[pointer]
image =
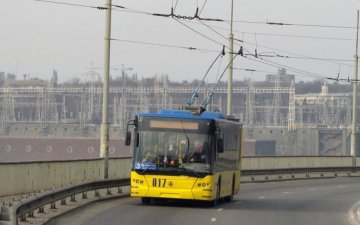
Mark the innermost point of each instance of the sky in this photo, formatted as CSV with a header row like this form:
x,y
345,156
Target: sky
x,y
37,37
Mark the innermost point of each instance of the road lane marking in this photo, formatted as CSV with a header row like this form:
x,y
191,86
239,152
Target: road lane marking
x,y
213,219
286,192
340,186
262,197
221,209
237,203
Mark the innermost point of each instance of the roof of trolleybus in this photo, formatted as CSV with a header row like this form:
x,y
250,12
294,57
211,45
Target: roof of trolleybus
x,y
185,114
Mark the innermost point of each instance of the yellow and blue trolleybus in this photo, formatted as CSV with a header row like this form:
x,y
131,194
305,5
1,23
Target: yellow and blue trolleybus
x,y
179,154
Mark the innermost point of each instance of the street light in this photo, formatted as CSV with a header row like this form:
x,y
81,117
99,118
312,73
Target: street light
x,y
104,139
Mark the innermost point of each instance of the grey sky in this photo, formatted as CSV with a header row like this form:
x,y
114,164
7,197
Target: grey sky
x,y
38,37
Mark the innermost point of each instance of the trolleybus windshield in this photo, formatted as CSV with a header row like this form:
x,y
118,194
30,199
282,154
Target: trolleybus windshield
x,y
173,146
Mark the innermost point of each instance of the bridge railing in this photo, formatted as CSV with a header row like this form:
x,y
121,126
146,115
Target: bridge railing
x,y
85,175
285,162
27,177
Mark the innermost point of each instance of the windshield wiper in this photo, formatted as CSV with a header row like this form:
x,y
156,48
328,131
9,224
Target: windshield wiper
x,y
190,172
143,171
188,142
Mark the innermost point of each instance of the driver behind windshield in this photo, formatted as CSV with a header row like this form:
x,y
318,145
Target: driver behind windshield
x,y
200,151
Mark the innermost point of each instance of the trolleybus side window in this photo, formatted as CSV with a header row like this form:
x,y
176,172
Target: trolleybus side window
x,y
227,159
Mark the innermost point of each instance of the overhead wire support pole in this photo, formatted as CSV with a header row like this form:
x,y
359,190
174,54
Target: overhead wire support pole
x,y
230,76
104,141
354,109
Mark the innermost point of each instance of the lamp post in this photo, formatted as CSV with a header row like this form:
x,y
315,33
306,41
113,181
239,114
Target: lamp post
x,y
230,76
354,109
104,139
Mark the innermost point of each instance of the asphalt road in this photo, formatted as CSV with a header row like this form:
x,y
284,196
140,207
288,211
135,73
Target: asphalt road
x,y
303,202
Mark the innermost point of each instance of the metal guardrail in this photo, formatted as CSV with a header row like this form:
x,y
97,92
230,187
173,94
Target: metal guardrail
x,y
19,210
10,215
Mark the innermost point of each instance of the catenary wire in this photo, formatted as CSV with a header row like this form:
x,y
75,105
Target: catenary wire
x,y
293,24
163,45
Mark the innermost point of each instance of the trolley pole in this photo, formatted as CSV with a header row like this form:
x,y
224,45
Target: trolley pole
x,y
355,88
104,141
230,76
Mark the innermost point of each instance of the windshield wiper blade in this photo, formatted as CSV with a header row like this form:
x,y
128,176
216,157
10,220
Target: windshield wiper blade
x,y
191,172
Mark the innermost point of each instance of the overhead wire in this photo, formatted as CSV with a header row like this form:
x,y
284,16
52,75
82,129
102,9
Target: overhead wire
x,y
296,36
163,45
202,8
293,24
280,35
208,99
221,35
252,70
299,56
195,94
299,71
293,53
72,4
277,65
197,32
315,58
124,9
219,20
305,73
130,10
176,4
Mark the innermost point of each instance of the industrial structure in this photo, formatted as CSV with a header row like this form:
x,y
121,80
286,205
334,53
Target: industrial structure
x,y
45,105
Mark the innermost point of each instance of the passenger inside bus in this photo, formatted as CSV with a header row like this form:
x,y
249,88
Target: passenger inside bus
x,y
200,152
151,157
160,152
154,155
182,151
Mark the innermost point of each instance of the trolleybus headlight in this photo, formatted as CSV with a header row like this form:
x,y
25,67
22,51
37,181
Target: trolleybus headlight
x,y
203,184
138,181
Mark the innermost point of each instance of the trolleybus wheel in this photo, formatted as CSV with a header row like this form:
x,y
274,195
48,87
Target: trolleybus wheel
x,y
217,198
231,196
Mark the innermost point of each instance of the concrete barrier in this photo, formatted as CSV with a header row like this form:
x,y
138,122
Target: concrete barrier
x,y
18,178
281,162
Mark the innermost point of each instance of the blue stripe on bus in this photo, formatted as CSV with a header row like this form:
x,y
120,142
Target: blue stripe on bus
x,y
184,114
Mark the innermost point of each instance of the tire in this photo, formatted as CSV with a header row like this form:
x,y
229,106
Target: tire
x,y
230,197
217,198
145,200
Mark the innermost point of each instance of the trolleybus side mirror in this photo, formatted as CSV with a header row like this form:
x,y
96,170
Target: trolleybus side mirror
x,y
128,138
220,145
128,133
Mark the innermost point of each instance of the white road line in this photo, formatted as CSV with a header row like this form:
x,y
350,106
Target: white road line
x,y
237,203
221,209
262,197
213,219
340,186
286,192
